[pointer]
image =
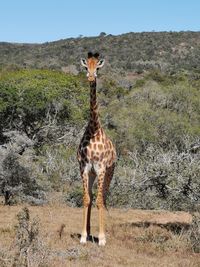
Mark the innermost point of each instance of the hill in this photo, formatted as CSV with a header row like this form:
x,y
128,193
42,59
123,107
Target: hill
x,y
131,52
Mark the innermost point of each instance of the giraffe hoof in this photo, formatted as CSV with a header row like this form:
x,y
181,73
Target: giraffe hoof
x,y
102,242
83,239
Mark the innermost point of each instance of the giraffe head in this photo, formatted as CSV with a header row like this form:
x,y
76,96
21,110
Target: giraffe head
x,y
92,64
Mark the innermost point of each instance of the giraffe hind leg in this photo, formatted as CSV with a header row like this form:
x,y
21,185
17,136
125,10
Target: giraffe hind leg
x,y
100,206
108,177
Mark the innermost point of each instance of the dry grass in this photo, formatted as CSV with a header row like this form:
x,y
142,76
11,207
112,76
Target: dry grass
x,y
134,238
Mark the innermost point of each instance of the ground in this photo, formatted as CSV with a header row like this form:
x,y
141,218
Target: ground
x,y
134,237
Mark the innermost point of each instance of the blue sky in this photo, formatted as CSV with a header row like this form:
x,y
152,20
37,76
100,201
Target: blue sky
x,y
36,21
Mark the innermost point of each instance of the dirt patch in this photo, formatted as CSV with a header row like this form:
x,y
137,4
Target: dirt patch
x,y
134,237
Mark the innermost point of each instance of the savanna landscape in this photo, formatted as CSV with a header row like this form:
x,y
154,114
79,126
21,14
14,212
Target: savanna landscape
x,y
149,99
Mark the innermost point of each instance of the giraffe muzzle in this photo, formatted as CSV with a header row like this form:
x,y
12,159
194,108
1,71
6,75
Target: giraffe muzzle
x,y
91,78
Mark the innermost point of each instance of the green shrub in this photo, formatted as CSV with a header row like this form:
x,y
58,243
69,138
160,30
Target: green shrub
x,y
74,197
30,99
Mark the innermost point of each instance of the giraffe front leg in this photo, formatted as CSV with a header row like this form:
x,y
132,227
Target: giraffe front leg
x,y
90,184
100,206
86,203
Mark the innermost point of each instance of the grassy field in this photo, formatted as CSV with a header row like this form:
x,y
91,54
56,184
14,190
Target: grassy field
x,y
134,238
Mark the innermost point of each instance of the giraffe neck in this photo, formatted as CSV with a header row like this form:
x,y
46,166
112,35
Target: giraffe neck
x,y
94,123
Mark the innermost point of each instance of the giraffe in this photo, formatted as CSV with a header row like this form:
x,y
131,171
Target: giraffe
x,y
96,155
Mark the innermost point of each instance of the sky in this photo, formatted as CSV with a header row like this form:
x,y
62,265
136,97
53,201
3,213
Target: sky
x,y
38,21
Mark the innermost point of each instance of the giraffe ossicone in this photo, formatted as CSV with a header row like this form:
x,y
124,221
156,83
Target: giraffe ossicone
x,y
96,155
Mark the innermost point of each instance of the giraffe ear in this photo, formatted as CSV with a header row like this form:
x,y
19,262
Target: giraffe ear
x,y
84,62
96,55
90,54
100,63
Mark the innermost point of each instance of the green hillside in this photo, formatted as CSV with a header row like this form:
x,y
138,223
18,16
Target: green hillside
x,y
131,52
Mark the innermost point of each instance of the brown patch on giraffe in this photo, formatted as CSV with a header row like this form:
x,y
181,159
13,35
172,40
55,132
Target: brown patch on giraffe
x,y
92,130
108,152
96,158
100,147
100,164
95,106
98,138
110,162
110,145
94,114
95,124
102,156
92,154
93,140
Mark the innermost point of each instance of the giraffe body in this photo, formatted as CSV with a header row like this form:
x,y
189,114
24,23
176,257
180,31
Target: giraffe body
x,y
96,156
96,152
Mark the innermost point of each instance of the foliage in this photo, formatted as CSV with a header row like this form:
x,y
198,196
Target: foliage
x,y
153,121
59,164
17,183
161,112
30,99
20,179
158,179
194,233
74,197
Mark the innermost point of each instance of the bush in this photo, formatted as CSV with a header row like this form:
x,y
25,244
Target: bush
x,y
19,176
29,248
194,233
158,179
155,113
17,183
74,197
30,99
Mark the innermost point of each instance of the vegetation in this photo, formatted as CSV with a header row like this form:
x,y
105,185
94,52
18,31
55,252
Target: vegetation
x,y
131,52
32,99
149,106
152,80
156,132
